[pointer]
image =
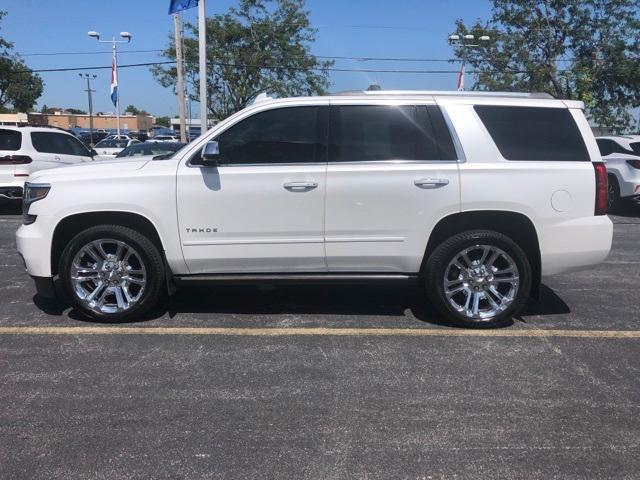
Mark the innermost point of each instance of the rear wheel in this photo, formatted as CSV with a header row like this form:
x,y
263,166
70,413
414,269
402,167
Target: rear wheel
x,y
613,194
112,273
478,278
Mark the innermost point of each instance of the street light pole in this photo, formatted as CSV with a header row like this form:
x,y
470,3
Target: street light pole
x,y
127,39
465,42
88,78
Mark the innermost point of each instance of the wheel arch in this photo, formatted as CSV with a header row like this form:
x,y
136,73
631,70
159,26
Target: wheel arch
x,y
71,225
514,225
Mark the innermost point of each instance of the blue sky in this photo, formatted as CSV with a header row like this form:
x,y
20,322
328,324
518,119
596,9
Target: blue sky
x,y
360,28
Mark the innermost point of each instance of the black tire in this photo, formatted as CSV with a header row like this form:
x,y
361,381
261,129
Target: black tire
x,y
613,195
436,266
149,255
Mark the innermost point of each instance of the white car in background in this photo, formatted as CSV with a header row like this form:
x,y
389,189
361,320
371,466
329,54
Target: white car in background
x,y
108,148
25,150
622,154
164,138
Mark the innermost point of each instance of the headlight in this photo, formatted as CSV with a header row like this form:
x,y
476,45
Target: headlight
x,y
32,193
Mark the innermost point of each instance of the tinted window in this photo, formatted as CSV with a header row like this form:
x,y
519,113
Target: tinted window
x,y
604,146
533,133
74,147
635,147
49,142
10,140
608,146
440,136
285,135
376,133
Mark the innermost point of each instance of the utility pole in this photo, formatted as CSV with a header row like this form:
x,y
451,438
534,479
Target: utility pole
x,y
202,58
177,23
88,78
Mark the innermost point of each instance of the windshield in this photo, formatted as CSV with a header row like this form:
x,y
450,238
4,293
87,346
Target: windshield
x,y
112,144
150,149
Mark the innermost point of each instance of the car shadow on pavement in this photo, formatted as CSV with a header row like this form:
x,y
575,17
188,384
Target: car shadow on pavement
x,y
369,301
627,210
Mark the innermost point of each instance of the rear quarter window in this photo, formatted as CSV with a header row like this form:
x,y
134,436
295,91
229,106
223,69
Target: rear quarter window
x,y
10,140
534,133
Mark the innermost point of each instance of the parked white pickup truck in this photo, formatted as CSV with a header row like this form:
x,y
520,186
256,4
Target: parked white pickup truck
x,y
472,196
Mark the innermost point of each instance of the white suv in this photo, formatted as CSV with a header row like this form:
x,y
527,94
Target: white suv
x,y
25,150
470,196
622,157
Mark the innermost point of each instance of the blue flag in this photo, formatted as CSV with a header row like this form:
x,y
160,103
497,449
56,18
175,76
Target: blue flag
x,y
176,6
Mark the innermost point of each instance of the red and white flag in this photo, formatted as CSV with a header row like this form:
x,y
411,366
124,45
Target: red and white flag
x,y
460,85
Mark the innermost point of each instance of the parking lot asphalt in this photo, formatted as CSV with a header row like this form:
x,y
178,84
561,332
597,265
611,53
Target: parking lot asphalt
x,y
360,402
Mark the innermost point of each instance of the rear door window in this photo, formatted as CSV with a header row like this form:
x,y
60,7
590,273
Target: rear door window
x,y
363,133
534,133
49,142
10,140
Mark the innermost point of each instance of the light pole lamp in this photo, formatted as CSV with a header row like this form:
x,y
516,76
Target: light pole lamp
x,y
115,93
465,42
88,78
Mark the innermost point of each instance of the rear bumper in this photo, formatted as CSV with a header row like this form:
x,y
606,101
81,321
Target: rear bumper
x,y
575,244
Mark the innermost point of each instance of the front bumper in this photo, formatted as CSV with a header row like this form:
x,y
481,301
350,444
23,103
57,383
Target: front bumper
x,y
34,244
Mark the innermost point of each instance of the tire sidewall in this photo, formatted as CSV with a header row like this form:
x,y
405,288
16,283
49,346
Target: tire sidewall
x,y
615,203
149,255
438,262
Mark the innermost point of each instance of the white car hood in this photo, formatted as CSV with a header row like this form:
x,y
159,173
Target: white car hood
x,y
92,169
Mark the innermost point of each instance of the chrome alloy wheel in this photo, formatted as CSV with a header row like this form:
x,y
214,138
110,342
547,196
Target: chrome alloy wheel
x,y
481,282
108,276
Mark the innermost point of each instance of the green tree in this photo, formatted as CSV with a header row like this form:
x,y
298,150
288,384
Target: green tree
x,y
163,121
573,49
132,110
76,111
258,46
19,86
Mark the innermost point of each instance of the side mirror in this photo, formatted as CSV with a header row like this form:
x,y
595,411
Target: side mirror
x,y
210,154
93,152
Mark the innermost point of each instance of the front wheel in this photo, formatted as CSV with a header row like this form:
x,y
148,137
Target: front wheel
x,y
112,273
478,278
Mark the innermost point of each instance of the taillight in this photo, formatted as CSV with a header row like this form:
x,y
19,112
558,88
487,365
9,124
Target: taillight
x,y
15,160
601,188
634,163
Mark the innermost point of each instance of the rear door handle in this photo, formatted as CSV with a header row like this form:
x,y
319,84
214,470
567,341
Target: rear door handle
x,y
431,182
300,186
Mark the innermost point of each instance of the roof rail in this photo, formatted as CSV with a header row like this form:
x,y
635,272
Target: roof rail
x,y
447,92
34,125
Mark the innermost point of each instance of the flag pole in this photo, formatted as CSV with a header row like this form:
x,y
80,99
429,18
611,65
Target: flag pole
x,y
177,23
202,57
115,72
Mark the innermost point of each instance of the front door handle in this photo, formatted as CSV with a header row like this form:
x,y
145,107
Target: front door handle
x,y
431,182
300,186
